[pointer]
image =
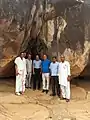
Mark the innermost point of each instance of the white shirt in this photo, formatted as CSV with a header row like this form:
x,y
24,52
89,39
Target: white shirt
x,y
29,65
64,72
54,68
20,64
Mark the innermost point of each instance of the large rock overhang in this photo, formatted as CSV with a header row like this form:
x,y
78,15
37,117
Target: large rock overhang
x,y
73,37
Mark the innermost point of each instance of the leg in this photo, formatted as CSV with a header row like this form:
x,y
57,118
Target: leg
x,y
47,82
53,86
47,79
34,80
29,80
57,86
44,82
24,85
63,91
23,82
39,79
18,84
68,91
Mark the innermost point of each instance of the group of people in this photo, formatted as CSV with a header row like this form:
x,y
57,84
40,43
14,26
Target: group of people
x,y
43,71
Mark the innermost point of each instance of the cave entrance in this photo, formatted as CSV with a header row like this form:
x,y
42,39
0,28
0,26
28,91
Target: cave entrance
x,y
36,46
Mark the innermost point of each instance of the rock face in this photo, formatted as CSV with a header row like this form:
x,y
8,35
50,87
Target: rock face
x,y
44,26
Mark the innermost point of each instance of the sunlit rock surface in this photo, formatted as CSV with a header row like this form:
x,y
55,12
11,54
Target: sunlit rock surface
x,y
44,26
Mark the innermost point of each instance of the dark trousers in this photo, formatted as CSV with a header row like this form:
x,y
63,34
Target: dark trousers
x,y
37,78
55,85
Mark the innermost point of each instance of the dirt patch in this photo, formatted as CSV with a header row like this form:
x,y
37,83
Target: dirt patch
x,y
34,105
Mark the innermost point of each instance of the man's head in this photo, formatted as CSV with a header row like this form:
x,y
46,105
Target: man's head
x,y
37,57
24,54
62,58
29,56
44,57
54,59
21,55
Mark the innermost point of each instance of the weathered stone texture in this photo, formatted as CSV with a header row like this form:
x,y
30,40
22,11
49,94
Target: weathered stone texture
x,y
56,27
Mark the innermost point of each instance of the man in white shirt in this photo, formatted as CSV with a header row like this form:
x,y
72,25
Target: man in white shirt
x,y
29,71
19,68
54,77
64,78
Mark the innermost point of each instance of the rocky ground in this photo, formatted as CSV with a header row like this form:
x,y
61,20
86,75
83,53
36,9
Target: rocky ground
x,y
34,105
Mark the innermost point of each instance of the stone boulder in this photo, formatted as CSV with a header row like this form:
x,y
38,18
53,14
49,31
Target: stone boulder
x,y
54,27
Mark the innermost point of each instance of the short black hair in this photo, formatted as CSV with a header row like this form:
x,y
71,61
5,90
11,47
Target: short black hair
x,y
54,57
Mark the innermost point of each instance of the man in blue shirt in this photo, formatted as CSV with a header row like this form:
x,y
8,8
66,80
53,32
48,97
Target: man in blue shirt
x,y
45,73
54,77
37,72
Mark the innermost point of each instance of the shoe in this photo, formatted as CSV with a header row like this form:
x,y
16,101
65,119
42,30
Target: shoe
x,y
63,98
18,94
43,91
21,93
47,91
67,100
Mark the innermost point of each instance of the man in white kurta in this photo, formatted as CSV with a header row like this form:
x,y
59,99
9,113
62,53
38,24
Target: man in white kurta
x,y
19,67
64,78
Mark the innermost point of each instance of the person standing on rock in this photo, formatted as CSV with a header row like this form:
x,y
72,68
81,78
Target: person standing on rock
x,y
37,73
64,78
45,73
29,71
19,68
54,66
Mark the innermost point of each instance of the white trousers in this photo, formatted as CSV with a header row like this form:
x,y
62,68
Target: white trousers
x,y
45,78
23,83
65,91
28,80
19,84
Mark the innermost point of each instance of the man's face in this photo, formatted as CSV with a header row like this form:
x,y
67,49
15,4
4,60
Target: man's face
x,y
62,58
22,55
54,59
37,57
29,56
44,57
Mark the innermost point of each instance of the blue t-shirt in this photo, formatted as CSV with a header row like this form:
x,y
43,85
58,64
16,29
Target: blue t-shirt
x,y
45,66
